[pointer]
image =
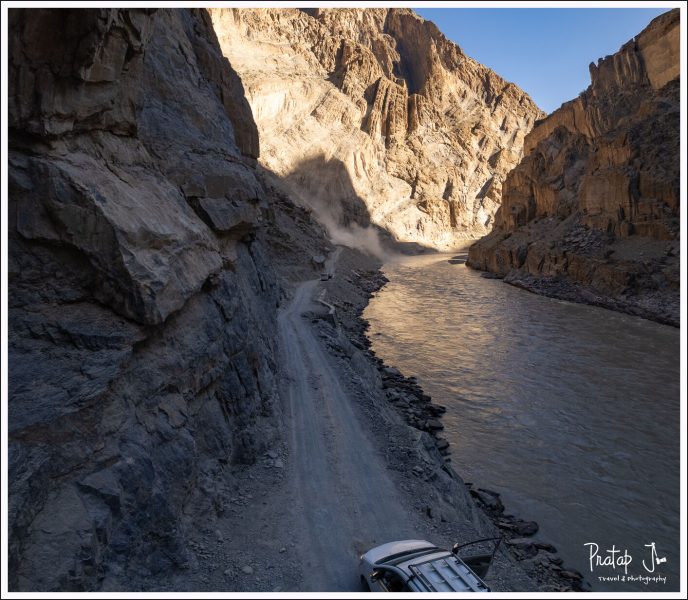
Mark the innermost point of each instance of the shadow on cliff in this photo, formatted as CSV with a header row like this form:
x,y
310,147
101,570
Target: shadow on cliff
x,y
324,186
230,88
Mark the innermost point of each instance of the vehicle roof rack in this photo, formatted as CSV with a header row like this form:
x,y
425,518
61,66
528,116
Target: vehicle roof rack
x,y
447,574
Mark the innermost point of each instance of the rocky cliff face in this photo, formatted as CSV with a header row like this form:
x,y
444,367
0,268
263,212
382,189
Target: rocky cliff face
x,y
592,211
373,116
142,247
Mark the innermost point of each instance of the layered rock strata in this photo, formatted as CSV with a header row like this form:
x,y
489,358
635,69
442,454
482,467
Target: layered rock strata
x,y
372,116
142,303
592,211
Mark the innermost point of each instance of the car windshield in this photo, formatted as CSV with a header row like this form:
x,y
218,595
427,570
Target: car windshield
x,y
408,554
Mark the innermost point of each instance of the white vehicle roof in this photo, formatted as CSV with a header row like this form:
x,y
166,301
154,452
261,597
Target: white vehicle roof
x,y
443,572
428,567
390,550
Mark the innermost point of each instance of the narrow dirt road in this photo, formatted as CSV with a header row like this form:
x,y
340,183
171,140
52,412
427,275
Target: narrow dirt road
x,y
343,495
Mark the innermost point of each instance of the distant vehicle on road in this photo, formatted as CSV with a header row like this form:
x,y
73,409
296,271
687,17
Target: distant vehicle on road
x,y
419,566
325,276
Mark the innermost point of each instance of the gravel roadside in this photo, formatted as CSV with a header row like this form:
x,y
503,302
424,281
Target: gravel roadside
x,y
360,277
263,539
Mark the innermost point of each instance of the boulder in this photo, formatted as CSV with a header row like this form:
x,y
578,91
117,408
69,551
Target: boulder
x,y
226,216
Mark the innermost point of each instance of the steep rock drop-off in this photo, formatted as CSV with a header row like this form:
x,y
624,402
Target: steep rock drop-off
x,y
154,439
373,116
143,292
592,211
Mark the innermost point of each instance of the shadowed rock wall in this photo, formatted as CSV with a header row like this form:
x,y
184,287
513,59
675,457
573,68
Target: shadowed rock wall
x,y
142,297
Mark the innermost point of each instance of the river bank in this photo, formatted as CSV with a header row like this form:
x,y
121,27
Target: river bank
x,y
564,409
636,276
406,398
350,472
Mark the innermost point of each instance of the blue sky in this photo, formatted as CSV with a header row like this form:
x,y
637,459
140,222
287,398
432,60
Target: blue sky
x,y
545,51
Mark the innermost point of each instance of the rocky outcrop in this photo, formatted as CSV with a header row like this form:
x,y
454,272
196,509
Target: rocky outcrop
x,y
142,298
422,134
591,213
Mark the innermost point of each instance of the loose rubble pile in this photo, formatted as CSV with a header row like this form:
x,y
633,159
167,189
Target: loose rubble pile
x,y
538,558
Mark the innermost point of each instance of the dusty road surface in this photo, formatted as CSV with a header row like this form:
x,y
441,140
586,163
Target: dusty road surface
x,y
346,473
343,495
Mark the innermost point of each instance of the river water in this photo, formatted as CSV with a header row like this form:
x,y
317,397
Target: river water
x,y
571,412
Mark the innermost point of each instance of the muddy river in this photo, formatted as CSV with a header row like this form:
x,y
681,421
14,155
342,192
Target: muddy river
x,y
571,412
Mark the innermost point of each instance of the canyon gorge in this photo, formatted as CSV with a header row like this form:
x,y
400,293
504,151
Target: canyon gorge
x,y
592,211
190,407
373,117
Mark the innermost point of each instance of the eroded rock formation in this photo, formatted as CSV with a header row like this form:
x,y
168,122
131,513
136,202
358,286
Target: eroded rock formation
x,y
424,134
591,213
143,292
